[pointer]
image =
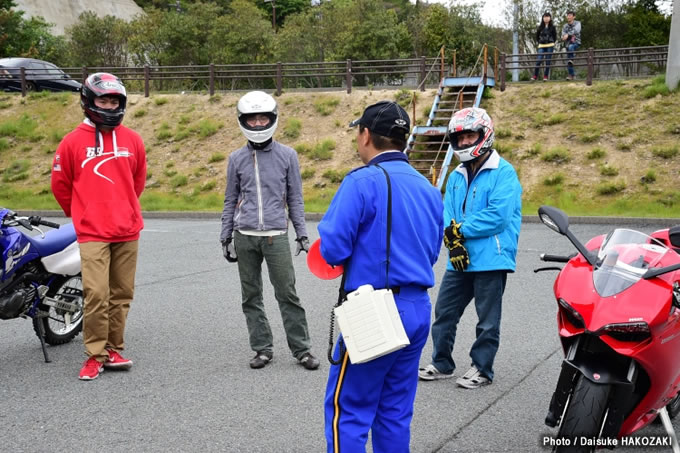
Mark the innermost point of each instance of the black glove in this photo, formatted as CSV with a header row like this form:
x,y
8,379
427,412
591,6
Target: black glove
x,y
302,244
458,255
229,251
452,234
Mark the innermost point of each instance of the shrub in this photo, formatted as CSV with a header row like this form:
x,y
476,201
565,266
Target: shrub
x,y
208,186
608,170
160,101
307,173
590,138
139,113
326,105
665,152
208,127
623,146
178,181
184,119
557,155
21,127
181,134
17,171
535,149
554,180
611,188
216,157
502,132
334,176
649,177
292,128
303,148
4,144
557,118
164,132
323,150
403,97
596,153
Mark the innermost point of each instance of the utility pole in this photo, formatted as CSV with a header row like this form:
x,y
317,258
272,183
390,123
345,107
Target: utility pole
x,y
673,62
515,40
273,2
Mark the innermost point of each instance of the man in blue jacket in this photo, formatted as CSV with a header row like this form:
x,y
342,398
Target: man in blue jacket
x,y
378,395
482,215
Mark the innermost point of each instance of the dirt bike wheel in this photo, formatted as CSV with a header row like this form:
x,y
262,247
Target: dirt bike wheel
x,y
584,416
69,288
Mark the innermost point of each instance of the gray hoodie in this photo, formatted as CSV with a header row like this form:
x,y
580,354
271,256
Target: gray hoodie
x,y
263,188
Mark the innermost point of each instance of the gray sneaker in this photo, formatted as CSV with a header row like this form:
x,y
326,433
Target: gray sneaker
x,y
261,359
431,373
472,379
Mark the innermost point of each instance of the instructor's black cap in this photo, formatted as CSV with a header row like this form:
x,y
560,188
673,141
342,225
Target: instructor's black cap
x,y
385,118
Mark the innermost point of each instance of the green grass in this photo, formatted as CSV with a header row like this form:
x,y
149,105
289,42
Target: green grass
x,y
320,151
657,87
335,176
164,132
160,101
554,180
208,127
178,181
292,128
608,170
649,177
556,155
666,152
24,127
216,157
403,97
139,113
611,188
502,132
596,153
4,144
17,171
325,105
154,200
307,173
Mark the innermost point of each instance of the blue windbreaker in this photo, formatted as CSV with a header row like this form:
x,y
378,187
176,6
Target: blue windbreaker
x,y
355,226
490,211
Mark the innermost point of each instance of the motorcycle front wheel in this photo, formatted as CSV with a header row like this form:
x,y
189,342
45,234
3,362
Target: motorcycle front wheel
x,y
584,417
62,326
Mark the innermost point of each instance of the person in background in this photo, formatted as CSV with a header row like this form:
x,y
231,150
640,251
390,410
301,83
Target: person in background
x,y
546,35
98,175
378,395
263,188
571,35
482,216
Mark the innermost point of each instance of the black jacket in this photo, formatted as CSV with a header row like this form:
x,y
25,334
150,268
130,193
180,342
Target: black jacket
x,y
547,35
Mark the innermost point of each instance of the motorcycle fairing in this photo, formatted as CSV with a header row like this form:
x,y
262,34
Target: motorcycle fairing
x,y
64,262
16,252
54,240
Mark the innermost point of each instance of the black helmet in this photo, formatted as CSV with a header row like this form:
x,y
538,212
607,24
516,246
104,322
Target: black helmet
x,y
98,85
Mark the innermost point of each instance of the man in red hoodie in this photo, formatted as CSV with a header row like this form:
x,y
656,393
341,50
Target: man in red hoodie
x,y
98,174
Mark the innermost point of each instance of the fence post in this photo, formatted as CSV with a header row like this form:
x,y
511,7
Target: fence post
x,y
146,80
421,82
441,64
211,83
83,74
455,70
348,76
502,74
22,72
495,63
486,62
591,68
279,78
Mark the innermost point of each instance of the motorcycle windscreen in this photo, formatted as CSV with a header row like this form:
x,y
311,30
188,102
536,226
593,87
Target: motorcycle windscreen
x,y
624,257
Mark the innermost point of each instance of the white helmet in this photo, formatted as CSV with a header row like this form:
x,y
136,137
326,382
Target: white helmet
x,y
253,103
471,119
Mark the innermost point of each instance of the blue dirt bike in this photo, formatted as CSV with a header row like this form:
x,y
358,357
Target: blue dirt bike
x,y
40,277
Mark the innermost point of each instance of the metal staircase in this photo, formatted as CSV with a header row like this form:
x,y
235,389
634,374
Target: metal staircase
x,y
427,147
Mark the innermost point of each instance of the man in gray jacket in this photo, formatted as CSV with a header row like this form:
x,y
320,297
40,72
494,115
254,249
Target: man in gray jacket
x,y
263,179
571,35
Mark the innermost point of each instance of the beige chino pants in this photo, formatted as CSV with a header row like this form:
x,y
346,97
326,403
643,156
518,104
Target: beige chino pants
x,y
108,283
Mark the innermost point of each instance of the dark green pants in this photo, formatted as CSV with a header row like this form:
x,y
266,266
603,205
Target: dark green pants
x,y
275,250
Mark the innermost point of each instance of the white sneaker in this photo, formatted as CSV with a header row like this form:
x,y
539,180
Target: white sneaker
x,y
472,379
431,373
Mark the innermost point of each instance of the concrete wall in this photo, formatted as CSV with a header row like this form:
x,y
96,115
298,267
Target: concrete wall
x,y
673,67
64,13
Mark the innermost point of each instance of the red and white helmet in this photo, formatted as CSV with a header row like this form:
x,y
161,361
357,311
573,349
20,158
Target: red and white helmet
x,y
471,119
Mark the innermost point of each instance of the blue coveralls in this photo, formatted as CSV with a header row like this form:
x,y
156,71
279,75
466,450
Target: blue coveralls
x,y
379,395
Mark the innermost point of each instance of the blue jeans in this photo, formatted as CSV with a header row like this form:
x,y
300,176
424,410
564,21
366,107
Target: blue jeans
x,y
456,292
571,48
544,53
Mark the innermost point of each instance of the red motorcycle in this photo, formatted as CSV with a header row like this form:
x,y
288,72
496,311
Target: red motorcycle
x,y
619,324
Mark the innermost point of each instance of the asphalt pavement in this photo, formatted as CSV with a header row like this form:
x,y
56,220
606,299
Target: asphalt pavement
x,y
191,388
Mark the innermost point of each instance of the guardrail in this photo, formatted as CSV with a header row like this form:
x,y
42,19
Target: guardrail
x,y
415,73
597,63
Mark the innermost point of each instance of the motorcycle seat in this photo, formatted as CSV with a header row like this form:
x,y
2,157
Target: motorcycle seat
x,y
54,240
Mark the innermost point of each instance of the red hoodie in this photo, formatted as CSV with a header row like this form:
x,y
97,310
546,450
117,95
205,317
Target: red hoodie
x,y
100,188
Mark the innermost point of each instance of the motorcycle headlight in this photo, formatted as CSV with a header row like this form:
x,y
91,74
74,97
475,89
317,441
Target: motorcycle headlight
x,y
571,314
633,331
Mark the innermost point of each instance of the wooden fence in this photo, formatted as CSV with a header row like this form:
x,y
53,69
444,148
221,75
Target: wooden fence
x,y
417,73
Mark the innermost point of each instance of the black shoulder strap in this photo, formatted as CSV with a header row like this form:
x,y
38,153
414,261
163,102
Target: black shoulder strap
x,y
389,225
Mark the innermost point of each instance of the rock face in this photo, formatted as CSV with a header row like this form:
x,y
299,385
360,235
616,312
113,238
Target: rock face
x,y
64,13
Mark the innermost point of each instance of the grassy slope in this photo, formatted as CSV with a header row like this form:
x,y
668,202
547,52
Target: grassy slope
x,y
610,133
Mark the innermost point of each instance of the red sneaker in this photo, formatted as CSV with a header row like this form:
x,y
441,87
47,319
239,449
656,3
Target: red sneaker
x,y
117,361
90,370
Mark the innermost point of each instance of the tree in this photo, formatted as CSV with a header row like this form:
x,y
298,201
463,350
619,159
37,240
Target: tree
x,y
98,41
645,25
20,37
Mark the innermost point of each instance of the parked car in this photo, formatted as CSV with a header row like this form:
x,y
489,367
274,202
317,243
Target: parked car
x,y
40,75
